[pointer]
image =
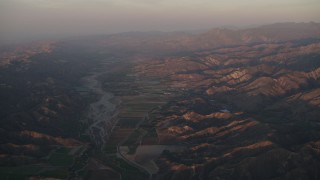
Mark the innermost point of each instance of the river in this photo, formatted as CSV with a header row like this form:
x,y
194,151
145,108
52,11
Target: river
x,y
101,115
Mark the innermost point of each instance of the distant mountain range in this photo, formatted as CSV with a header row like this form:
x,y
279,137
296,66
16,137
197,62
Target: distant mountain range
x,y
218,37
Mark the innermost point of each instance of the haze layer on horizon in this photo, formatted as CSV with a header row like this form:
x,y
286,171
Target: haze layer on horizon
x,y
25,20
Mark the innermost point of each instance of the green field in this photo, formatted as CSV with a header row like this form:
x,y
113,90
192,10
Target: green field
x,y
110,149
129,122
127,171
61,157
58,163
135,137
22,172
56,173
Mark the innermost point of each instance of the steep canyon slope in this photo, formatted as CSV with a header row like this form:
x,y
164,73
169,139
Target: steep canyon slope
x,y
244,112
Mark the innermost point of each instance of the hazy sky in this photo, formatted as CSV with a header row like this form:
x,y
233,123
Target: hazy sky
x,y
28,19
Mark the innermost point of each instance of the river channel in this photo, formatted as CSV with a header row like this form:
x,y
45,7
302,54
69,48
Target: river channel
x,y
101,114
